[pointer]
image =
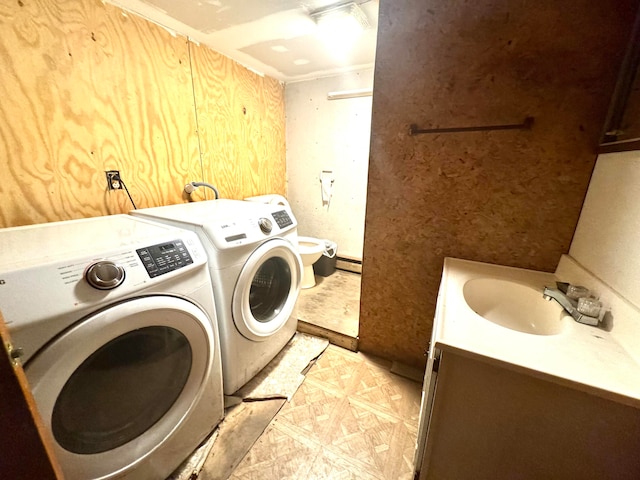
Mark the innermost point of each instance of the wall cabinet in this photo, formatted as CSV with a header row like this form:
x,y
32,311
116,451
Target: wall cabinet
x,y
622,129
483,420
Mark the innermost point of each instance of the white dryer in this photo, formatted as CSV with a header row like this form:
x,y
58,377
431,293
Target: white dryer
x,y
256,273
117,322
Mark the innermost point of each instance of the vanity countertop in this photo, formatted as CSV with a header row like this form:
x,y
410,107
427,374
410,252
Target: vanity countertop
x,y
586,358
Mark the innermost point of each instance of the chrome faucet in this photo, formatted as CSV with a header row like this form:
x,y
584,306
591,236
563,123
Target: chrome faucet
x,y
569,306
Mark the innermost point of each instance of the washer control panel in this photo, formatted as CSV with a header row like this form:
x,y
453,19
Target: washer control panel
x,y
282,218
164,257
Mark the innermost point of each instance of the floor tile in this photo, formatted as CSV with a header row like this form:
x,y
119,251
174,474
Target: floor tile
x,y
329,465
363,435
334,303
277,455
310,410
388,392
352,418
403,453
336,368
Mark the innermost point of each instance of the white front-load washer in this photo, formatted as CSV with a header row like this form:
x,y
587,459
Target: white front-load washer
x,y
117,322
256,273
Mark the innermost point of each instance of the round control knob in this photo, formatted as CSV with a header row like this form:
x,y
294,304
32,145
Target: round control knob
x,y
104,275
265,225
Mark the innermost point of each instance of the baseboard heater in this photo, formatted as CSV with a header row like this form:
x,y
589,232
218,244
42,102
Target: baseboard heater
x,y
349,264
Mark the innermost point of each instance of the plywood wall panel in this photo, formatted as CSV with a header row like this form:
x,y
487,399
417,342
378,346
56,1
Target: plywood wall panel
x,y
505,197
241,126
86,88
272,162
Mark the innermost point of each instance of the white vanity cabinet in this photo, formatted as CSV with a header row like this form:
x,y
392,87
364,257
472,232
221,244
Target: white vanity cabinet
x,y
491,422
502,404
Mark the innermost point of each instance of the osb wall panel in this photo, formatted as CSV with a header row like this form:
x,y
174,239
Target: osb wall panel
x,y
505,197
86,89
241,125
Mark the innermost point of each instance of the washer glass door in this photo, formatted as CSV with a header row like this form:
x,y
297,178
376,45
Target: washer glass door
x,y
121,390
117,384
267,289
270,289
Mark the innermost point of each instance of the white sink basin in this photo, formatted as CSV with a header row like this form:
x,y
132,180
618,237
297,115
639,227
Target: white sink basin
x,y
515,306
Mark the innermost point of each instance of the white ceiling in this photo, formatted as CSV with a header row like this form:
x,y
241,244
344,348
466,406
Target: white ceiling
x,y
273,37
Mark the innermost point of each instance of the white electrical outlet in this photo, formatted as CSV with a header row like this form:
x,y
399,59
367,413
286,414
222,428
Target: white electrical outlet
x,y
113,180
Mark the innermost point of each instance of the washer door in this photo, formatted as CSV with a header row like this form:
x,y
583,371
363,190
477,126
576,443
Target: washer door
x,y
116,385
267,289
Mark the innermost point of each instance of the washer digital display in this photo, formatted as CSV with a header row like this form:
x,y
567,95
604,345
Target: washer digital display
x,y
164,257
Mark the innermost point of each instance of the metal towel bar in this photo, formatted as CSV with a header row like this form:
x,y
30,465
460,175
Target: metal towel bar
x,y
526,125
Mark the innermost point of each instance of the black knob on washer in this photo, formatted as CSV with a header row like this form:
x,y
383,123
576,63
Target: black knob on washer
x,y
104,275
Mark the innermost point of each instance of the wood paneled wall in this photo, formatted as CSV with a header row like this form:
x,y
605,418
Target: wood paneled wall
x,y
504,197
87,88
241,120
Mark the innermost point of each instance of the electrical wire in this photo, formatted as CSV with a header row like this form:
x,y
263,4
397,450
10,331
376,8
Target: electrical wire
x,y
127,190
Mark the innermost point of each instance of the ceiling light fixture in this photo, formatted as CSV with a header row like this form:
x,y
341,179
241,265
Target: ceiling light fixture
x,y
337,13
339,26
362,92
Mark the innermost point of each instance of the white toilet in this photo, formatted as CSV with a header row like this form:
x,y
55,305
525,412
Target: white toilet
x,y
309,248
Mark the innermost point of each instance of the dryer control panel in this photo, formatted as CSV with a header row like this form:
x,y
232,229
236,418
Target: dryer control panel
x,y
282,218
164,257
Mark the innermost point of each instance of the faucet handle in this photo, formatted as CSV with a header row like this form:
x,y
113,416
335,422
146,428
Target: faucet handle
x,y
577,291
589,306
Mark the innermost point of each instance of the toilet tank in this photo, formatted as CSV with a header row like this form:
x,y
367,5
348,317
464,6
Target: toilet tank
x,y
272,198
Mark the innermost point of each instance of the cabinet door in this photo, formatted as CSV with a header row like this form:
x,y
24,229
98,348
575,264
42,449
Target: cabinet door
x,y
622,129
428,394
489,422
26,451
426,404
